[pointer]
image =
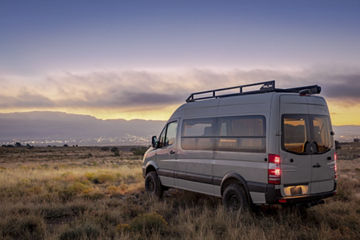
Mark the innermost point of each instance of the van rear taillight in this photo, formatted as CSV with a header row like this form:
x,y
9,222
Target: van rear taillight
x,y
335,165
274,170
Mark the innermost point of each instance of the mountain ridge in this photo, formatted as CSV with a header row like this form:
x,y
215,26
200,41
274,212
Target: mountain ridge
x,y
57,128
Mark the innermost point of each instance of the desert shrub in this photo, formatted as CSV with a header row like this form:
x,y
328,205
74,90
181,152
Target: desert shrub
x,y
85,231
112,189
56,213
115,150
123,227
28,227
344,191
107,220
132,210
138,151
104,149
130,179
73,189
94,195
149,223
99,178
28,146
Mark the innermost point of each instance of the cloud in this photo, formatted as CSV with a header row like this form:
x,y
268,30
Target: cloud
x,y
133,89
344,86
25,100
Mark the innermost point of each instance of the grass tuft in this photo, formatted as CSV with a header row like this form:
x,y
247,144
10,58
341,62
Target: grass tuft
x,y
86,231
29,227
149,223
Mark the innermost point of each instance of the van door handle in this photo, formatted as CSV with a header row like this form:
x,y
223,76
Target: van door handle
x,y
317,165
172,152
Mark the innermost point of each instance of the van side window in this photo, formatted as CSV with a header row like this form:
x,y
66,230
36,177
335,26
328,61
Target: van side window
x,y
242,134
198,134
199,127
171,133
238,134
161,141
294,133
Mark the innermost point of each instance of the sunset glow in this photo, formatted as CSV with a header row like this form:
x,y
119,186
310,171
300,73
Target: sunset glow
x,y
118,61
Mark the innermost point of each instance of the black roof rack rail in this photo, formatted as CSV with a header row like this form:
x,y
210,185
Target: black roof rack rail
x,y
268,86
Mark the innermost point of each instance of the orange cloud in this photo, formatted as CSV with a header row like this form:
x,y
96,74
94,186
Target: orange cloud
x,y
156,94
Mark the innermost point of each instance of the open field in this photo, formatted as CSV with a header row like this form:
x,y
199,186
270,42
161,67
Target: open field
x,y
95,193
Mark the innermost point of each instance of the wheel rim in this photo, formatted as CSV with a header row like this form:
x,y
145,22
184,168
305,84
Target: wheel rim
x,y
234,202
149,185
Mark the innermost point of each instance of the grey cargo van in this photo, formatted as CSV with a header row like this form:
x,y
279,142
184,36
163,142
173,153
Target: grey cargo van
x,y
262,146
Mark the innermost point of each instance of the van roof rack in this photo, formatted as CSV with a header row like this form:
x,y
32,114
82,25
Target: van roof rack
x,y
268,86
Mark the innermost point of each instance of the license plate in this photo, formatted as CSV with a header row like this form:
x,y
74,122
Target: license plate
x,y
296,190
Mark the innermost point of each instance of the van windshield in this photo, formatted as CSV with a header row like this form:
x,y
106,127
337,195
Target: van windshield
x,y
306,134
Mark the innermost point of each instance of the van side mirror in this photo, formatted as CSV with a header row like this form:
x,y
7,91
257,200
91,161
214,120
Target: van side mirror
x,y
154,141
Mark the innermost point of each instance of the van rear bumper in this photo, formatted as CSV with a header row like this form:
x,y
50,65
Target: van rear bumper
x,y
273,195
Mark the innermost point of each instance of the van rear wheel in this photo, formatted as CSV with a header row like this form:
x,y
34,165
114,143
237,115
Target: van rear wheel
x,y
234,198
153,185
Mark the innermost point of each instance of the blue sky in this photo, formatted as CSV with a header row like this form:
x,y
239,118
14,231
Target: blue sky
x,y
92,56
38,36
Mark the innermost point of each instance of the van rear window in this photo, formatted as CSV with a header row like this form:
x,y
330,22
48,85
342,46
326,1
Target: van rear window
x,y
294,134
306,133
239,134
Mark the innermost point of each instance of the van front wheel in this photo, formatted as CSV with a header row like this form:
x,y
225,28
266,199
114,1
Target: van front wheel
x,y
153,185
234,198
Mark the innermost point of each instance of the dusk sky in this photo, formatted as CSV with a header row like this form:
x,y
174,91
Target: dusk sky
x,y
140,59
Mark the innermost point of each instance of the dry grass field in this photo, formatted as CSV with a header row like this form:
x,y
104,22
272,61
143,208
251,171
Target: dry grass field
x,y
95,193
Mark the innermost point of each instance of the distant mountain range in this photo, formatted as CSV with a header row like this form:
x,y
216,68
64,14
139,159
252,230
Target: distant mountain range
x,y
58,128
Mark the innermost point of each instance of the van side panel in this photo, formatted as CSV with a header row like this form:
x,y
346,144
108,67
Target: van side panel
x,y
250,165
194,167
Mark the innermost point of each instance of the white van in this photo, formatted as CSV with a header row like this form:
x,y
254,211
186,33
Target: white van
x,y
247,146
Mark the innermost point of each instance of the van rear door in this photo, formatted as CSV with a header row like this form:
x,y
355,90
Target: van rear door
x,y
322,155
295,161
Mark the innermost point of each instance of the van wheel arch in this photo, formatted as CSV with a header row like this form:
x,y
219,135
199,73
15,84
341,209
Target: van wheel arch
x,y
150,168
237,179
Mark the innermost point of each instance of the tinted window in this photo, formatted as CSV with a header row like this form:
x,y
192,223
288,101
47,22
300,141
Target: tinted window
x,y
306,134
249,126
161,141
294,133
243,134
199,127
171,133
321,133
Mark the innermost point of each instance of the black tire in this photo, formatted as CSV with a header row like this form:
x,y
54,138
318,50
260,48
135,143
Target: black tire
x,y
153,185
234,198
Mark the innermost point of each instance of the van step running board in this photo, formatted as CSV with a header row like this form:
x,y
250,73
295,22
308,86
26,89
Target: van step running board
x,y
265,87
